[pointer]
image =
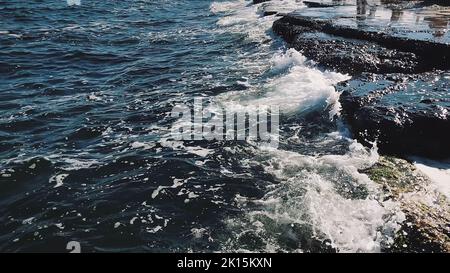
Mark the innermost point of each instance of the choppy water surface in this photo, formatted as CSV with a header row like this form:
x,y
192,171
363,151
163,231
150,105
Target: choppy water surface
x,y
86,95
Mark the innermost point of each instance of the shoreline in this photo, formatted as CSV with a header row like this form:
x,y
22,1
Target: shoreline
x,y
425,228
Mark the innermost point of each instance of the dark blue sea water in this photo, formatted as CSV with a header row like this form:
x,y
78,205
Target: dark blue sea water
x,y
86,93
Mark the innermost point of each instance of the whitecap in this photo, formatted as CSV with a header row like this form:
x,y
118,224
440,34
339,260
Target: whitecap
x,y
73,2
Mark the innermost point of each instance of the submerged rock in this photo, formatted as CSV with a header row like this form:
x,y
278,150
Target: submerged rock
x,y
426,227
404,114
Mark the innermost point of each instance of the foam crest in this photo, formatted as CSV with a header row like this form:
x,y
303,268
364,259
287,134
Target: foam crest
x,y
227,6
327,199
301,88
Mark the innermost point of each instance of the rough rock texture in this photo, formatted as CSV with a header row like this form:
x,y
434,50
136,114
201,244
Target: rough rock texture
x,y
438,2
354,51
426,228
399,96
353,56
405,114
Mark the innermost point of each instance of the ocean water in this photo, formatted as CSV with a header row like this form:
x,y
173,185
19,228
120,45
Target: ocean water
x,y
86,92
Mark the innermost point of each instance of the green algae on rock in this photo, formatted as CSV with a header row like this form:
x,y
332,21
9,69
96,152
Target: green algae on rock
x,y
427,224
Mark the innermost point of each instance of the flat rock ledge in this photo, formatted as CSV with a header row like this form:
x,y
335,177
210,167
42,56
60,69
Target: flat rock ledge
x,y
353,51
406,114
399,94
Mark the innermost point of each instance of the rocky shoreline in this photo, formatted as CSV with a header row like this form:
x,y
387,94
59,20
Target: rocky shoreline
x,y
351,50
406,114
398,97
426,227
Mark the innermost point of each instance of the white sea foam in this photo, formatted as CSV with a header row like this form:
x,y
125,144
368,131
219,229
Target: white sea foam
x,y
437,171
299,88
297,85
176,183
321,192
142,145
198,233
311,193
154,230
77,163
28,221
227,6
58,180
245,19
74,2
285,60
179,146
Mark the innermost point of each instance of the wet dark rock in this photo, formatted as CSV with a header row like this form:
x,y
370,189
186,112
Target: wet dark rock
x,y
269,12
353,51
438,2
388,101
403,111
399,98
274,8
404,114
267,9
312,4
353,56
260,1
